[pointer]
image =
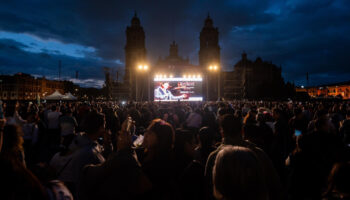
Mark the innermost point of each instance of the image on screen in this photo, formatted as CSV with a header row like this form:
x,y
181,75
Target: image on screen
x,y
175,89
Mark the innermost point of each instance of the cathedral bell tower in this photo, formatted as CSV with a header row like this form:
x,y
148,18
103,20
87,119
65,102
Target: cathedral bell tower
x,y
209,55
209,51
135,53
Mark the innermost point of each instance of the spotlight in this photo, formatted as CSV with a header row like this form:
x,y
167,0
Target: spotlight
x,y
210,67
140,66
215,67
145,67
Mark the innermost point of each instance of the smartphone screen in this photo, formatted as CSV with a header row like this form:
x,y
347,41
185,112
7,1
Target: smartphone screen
x,y
297,132
138,141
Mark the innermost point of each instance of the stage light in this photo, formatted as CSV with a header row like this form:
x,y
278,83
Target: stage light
x,y
210,67
215,67
140,67
171,76
145,67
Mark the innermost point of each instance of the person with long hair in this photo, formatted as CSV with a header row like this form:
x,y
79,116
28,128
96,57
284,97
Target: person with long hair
x,y
17,182
158,162
13,144
237,174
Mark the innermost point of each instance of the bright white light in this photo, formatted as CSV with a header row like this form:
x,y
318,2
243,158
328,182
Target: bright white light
x,y
140,66
215,67
189,99
210,67
178,79
302,86
145,67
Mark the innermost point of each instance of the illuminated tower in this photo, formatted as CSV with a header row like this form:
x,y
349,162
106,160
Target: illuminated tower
x,y
209,55
209,51
135,52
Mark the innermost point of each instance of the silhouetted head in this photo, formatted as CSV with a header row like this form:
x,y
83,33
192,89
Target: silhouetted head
x,y
237,174
159,136
94,124
206,137
230,126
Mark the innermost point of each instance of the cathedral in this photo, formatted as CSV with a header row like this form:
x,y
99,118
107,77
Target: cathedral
x,y
249,79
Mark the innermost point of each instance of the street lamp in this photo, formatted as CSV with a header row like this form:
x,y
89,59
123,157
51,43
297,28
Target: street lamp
x,y
140,69
214,68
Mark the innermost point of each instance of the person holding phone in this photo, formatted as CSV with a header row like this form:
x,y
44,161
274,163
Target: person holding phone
x,y
120,176
297,132
298,123
158,159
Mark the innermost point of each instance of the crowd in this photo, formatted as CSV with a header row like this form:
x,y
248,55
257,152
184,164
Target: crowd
x,y
245,150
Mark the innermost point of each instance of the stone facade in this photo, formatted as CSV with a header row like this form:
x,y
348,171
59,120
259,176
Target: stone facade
x,y
26,87
254,80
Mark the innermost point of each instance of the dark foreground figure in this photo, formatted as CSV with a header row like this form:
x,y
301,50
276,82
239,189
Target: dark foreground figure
x,y
211,150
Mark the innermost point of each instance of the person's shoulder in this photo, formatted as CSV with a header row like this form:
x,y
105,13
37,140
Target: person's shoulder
x,y
62,118
292,120
213,154
346,122
216,151
248,144
258,151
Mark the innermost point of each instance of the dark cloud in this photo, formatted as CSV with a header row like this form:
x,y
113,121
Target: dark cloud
x,y
14,59
302,36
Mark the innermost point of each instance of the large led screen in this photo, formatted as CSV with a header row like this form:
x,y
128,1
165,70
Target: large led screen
x,y
175,89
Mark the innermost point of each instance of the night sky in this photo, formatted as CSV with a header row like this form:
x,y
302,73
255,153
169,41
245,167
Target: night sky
x,y
300,35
